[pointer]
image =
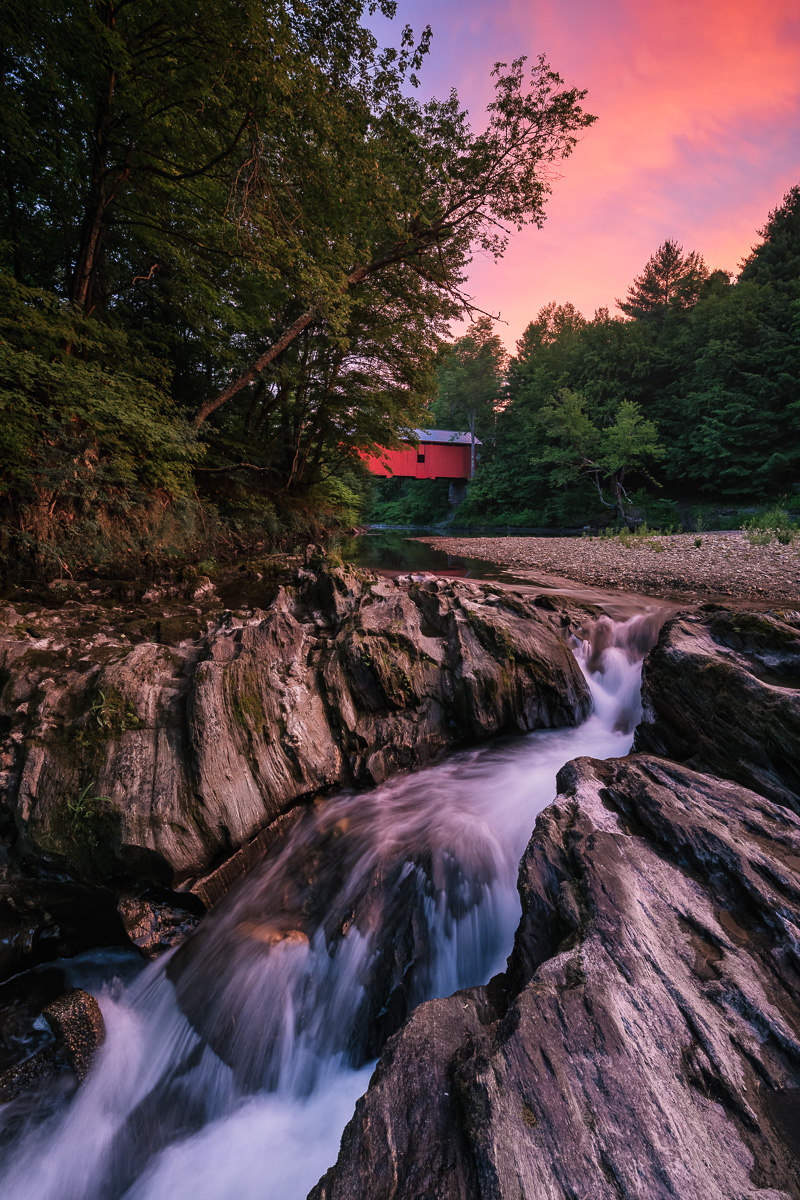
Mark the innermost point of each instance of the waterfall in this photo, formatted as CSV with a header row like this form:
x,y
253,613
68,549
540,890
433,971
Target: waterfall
x,y
231,1066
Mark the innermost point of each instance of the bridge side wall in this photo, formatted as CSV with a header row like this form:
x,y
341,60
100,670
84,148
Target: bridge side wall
x,y
441,462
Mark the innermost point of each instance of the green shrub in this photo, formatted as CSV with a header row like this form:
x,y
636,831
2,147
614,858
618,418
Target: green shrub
x,y
410,502
774,524
658,514
93,451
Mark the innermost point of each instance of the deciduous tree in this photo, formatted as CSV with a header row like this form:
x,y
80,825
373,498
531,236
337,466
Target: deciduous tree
x,y
577,446
471,382
420,192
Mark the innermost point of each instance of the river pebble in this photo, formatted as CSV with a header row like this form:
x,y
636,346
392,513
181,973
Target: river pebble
x,y
723,564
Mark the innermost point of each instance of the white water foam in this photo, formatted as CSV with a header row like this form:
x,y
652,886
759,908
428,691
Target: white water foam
x,y
162,1117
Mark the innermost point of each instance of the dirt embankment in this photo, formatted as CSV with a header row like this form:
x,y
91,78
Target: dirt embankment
x,y
711,564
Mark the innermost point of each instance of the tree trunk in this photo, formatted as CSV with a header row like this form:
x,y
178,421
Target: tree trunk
x,y
85,272
619,492
101,196
211,405
355,277
269,406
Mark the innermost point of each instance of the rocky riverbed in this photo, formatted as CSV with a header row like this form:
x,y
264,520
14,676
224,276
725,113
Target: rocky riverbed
x,y
682,565
642,1041
155,745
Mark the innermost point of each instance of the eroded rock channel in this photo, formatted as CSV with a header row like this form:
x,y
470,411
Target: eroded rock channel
x,y
607,1007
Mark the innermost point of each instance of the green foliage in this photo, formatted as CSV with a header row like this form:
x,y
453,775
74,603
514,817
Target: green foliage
x,y
344,503
263,233
654,510
737,395
575,446
113,715
776,259
83,812
93,452
712,365
671,280
640,537
471,382
81,830
410,502
773,525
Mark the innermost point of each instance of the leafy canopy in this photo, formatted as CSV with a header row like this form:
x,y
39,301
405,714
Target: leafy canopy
x,y
471,381
576,446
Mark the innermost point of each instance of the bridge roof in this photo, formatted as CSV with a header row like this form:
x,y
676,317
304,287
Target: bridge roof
x,y
444,437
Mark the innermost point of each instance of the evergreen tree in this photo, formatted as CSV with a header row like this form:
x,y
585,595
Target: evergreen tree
x,y
671,280
776,259
736,419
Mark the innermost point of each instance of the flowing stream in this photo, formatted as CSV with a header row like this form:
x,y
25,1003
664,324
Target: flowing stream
x,y
231,1068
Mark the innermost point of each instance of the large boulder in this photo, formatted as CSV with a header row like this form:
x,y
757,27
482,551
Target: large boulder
x,y
645,1039
151,765
720,693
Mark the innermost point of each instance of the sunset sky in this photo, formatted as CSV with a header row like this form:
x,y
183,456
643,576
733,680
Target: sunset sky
x,y
698,135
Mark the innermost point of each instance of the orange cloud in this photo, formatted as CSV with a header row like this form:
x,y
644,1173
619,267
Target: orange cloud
x,y
697,137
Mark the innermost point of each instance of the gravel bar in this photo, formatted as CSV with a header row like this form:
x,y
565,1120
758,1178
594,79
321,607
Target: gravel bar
x,y
723,564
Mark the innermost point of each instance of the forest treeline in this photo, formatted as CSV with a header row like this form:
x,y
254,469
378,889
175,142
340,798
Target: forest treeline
x,y
231,245
688,396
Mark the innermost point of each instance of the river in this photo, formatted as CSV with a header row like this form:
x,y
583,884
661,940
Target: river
x,y
291,980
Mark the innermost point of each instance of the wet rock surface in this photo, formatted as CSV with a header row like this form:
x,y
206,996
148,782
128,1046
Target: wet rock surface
x,y
143,763
342,888
46,1040
645,1039
153,926
720,693
45,916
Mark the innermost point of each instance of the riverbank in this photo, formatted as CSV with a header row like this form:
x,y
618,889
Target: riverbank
x,y
671,565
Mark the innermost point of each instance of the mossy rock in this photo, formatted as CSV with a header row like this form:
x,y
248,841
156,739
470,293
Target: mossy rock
x,y
247,705
83,830
110,715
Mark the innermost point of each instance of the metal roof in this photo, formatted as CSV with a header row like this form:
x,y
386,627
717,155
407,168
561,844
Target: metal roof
x,y
444,437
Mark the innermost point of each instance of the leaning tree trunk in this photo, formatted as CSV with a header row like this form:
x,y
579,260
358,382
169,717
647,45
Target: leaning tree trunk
x,y
101,195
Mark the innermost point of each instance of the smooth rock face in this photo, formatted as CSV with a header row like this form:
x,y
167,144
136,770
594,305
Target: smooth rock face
x,y
150,765
645,1040
720,693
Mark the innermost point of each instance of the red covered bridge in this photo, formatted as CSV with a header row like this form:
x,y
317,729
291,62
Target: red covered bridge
x,y
432,454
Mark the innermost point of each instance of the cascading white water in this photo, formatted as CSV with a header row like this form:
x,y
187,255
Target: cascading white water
x,y
230,1070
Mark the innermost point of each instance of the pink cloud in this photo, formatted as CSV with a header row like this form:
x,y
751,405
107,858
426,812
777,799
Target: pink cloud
x,y
697,137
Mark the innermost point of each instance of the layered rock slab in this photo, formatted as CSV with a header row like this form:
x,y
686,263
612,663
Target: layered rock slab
x,y
721,692
645,1039
152,765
